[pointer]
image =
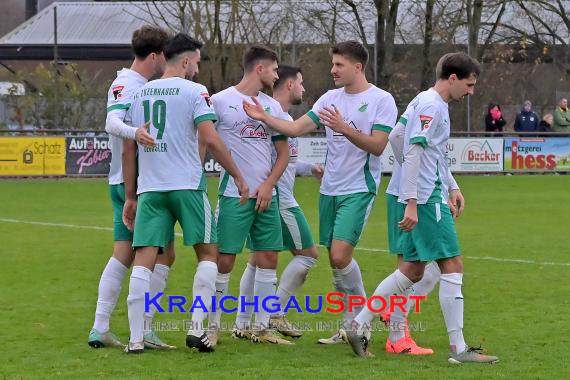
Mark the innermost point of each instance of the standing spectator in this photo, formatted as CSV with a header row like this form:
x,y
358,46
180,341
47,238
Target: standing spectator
x,y
546,123
494,120
527,120
562,117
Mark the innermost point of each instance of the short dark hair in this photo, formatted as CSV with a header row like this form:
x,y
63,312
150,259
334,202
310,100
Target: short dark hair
x,y
256,53
181,43
459,64
286,72
149,39
353,50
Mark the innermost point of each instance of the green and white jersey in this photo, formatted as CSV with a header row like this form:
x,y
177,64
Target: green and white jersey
x,y
349,169
174,106
119,98
249,141
287,181
428,125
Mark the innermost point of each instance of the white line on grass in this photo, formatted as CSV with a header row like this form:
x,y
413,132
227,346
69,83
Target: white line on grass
x,y
98,228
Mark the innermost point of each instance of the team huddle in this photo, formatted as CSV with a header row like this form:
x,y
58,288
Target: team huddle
x,y
159,132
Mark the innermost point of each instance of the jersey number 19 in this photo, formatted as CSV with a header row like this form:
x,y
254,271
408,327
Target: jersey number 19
x,y
158,115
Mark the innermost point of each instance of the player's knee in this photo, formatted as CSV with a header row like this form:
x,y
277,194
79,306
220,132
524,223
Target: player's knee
x,y
338,260
312,252
226,262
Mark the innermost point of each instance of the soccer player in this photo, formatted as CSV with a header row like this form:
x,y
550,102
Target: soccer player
x,y
250,143
148,43
427,218
358,117
171,183
288,90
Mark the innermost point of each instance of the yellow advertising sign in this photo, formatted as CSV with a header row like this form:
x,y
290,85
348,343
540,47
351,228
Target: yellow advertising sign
x,y
32,156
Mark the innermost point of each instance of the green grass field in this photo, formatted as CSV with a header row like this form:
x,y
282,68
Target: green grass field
x,y
516,253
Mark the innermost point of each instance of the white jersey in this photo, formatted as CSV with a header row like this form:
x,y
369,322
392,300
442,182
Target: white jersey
x,y
249,141
119,97
174,106
428,125
349,169
287,181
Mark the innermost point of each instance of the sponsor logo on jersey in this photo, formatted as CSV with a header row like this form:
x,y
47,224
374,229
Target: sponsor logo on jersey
x,y
267,109
235,108
293,150
117,92
363,107
425,120
206,97
250,131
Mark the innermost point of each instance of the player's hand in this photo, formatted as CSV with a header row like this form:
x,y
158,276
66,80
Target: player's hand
x,y
317,171
264,194
143,137
255,110
129,213
331,117
456,203
410,216
243,190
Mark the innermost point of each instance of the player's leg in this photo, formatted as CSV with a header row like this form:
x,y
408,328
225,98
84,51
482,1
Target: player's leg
x,y
113,274
245,309
233,224
266,241
153,228
164,262
298,239
400,340
193,211
444,241
350,217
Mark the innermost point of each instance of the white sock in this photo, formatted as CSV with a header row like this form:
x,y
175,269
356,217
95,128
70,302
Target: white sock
x,y
451,301
157,285
265,284
353,286
339,287
138,286
109,290
246,286
292,278
420,288
398,317
396,283
204,287
222,283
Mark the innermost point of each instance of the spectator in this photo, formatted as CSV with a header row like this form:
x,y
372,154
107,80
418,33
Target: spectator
x,y
546,123
527,120
561,117
494,120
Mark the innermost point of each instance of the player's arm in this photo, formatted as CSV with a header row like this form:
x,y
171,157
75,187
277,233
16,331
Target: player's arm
x,y
115,125
213,142
129,162
305,168
423,125
201,149
409,185
264,193
396,139
373,143
299,127
456,200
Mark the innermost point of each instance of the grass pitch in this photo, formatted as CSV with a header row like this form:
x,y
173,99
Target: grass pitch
x,y
514,238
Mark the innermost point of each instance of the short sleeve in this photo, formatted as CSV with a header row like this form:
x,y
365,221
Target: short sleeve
x,y
314,112
386,115
202,106
279,114
423,124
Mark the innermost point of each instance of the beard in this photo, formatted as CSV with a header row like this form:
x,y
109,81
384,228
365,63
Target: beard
x,y
297,101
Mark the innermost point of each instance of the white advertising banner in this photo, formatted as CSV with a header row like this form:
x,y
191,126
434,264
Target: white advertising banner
x,y
464,154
